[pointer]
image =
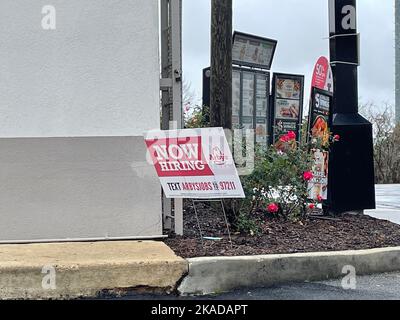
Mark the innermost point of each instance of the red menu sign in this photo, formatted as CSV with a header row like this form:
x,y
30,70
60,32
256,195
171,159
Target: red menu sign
x,y
322,75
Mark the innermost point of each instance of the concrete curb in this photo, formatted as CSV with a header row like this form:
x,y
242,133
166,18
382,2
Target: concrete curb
x,y
87,269
222,274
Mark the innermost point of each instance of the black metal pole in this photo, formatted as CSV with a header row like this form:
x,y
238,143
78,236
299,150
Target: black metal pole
x,y
351,168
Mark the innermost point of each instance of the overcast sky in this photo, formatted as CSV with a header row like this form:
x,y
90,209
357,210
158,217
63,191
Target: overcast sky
x,y
301,28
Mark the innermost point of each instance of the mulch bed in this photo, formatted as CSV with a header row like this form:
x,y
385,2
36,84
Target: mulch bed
x,y
348,232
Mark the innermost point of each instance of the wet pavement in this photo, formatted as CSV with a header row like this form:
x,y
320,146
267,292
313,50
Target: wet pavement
x,y
373,287
387,203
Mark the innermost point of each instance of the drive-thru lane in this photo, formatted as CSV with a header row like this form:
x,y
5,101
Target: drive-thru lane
x,y
387,203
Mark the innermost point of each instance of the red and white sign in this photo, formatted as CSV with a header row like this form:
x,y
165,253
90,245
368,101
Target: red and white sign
x,y
194,163
322,79
322,75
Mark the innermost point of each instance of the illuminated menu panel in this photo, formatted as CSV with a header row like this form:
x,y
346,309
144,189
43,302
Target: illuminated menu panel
x,y
236,93
250,102
288,92
253,51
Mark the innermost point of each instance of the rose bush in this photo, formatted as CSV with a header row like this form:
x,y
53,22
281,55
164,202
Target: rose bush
x,y
279,184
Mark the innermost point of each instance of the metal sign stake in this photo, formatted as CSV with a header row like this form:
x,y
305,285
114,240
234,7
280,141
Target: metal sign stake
x,y
194,201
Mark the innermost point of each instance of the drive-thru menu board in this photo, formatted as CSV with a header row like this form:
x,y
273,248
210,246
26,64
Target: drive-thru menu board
x,y
320,115
262,95
319,123
236,96
250,102
287,109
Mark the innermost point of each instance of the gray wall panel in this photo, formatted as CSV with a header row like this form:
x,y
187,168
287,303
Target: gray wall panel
x,y
73,188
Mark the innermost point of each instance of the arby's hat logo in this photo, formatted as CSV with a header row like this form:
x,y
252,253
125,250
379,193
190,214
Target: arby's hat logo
x,y
217,156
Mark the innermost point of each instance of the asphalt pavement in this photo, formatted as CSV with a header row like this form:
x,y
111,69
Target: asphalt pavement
x,y
387,203
373,287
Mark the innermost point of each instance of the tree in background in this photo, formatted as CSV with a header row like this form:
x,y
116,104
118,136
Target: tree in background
x,y
386,142
194,114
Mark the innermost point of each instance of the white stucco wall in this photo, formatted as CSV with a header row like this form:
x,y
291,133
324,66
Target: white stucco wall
x,y
74,103
95,75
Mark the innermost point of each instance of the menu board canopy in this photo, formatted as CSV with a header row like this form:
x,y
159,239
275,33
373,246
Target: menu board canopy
x,y
253,51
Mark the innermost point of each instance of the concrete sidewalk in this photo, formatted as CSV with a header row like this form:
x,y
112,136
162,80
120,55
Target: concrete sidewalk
x,y
73,270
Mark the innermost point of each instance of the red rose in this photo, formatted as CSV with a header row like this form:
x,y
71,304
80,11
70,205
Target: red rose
x,y
336,137
319,198
273,208
291,135
285,138
312,206
308,175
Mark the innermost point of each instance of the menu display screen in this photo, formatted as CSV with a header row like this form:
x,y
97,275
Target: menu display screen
x,y
252,50
287,109
318,186
288,89
288,93
261,96
320,115
261,131
248,94
318,126
236,88
250,102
